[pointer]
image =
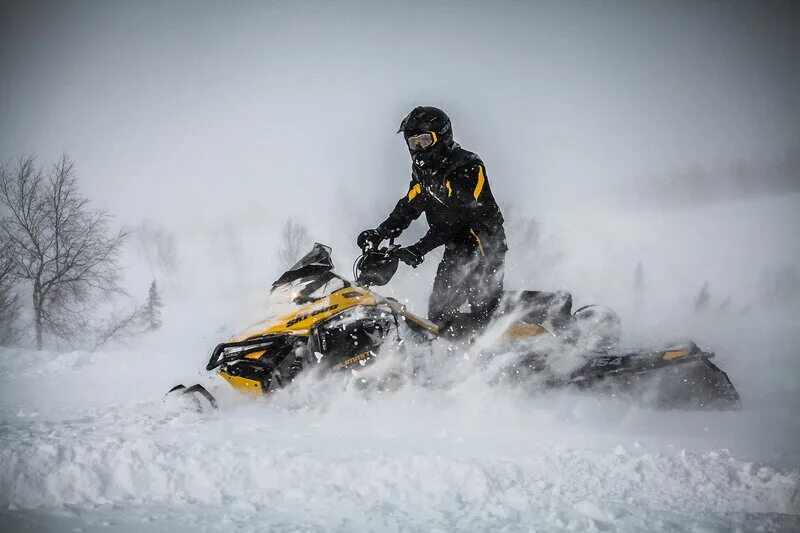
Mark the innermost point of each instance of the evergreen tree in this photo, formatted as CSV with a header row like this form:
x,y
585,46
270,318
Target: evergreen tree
x,y
151,315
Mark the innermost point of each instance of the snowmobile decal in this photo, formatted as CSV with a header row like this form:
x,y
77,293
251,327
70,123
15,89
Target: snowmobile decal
x,y
303,316
306,317
355,359
607,361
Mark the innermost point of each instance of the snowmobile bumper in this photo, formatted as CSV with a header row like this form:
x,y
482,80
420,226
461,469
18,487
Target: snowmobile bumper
x,y
254,365
252,348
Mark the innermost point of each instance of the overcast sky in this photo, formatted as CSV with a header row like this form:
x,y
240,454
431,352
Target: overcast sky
x,y
186,111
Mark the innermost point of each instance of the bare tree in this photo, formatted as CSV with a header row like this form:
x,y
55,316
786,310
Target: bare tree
x,y
61,245
119,326
703,298
9,295
295,239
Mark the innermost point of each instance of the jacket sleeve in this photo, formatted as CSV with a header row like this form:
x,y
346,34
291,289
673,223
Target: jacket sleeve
x,y
472,203
407,210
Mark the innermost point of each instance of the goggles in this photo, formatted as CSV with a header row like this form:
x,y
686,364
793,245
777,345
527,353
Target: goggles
x,y
421,141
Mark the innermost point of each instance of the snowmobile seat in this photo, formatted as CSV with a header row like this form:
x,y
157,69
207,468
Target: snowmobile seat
x,y
539,307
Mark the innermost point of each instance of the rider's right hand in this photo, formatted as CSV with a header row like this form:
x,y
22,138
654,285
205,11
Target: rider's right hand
x,y
371,238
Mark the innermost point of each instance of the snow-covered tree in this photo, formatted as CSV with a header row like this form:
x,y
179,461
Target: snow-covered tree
x,y
151,314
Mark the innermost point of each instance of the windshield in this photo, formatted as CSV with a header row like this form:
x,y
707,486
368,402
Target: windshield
x,y
320,256
305,290
309,279
314,264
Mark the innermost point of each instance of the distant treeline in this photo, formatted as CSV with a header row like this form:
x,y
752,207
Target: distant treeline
x,y
756,175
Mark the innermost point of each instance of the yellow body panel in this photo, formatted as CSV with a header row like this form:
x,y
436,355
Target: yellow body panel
x,y
303,319
521,330
306,317
675,354
248,386
255,355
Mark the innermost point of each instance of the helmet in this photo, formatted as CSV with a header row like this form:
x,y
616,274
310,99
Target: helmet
x,y
428,133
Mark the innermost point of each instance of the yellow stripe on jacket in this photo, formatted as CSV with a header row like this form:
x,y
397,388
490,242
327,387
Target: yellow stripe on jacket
x,y
479,186
415,190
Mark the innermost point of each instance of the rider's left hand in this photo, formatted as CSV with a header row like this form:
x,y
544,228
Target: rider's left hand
x,y
410,256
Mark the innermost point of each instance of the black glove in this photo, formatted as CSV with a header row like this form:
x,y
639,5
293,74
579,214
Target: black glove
x,y
371,237
410,256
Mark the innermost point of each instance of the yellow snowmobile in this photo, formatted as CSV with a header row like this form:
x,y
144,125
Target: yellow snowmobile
x,y
333,324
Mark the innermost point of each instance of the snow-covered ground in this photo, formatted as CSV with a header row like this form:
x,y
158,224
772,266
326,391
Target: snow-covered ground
x,y
87,444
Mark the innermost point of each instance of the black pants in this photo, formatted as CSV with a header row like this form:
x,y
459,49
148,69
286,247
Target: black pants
x,y
469,273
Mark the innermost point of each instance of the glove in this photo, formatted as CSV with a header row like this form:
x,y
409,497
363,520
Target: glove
x,y
410,256
371,237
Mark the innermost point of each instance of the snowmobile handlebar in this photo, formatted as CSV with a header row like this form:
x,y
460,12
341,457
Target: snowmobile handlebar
x,y
376,265
370,247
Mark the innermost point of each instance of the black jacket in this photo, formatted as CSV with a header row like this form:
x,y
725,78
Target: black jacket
x,y
455,196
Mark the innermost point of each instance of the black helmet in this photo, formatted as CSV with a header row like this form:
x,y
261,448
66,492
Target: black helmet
x,y
427,129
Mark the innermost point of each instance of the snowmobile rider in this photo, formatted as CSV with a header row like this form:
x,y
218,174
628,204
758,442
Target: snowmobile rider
x,y
450,185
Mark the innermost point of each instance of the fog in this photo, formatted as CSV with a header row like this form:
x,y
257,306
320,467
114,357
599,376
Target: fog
x,y
165,107
646,156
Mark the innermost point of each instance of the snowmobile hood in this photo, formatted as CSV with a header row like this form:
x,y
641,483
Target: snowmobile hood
x,y
300,320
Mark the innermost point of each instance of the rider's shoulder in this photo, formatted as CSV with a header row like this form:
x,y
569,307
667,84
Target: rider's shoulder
x,y
466,162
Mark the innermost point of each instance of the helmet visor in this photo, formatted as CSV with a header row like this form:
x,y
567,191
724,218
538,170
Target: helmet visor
x,y
421,141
